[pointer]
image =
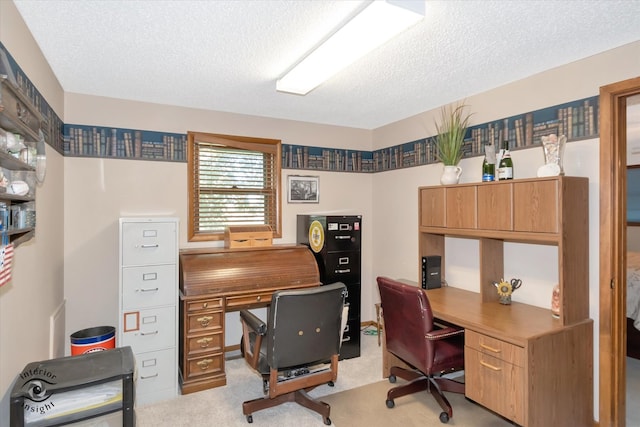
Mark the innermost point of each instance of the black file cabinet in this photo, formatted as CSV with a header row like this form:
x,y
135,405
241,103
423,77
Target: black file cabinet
x,y
335,242
90,389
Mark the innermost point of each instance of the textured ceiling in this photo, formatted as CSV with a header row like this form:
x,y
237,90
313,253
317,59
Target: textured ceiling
x,y
227,55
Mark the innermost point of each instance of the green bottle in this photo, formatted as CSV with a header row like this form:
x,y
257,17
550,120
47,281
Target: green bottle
x,y
505,168
489,164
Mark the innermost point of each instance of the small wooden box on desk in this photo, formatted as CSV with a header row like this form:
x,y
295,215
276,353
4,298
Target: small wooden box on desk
x,y
519,361
248,236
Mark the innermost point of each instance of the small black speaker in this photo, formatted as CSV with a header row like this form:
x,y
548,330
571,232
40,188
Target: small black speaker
x,y
431,272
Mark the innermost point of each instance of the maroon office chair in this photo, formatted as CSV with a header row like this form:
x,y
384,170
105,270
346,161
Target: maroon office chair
x,y
412,337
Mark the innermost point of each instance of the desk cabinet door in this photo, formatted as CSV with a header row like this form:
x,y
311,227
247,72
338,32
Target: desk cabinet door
x,y
494,383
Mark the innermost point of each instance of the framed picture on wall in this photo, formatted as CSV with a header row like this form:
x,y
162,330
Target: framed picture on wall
x,y
303,189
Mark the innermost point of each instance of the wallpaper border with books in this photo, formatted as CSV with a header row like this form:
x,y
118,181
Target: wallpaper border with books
x,y
577,120
52,124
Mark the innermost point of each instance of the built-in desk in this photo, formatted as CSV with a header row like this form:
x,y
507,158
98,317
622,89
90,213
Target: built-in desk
x,y
519,361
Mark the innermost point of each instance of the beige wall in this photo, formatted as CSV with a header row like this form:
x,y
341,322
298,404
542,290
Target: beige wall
x,y
79,204
99,191
37,286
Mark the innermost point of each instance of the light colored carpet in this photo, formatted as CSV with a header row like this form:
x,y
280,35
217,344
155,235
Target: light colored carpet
x,y
365,406
358,399
222,406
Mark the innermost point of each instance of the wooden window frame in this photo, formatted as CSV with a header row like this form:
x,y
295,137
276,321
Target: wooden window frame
x,y
273,146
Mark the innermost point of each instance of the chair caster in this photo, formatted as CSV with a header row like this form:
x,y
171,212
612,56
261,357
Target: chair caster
x,y
250,419
392,379
265,386
390,403
444,417
331,384
327,421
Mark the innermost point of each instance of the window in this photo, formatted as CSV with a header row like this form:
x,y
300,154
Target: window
x,y
233,180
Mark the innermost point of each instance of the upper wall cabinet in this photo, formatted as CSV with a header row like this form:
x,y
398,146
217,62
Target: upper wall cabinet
x,y
20,123
526,209
549,211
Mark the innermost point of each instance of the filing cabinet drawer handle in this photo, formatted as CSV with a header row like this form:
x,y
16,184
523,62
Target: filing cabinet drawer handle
x,y
149,246
149,333
148,376
204,320
491,349
486,365
339,237
148,290
348,270
204,364
204,342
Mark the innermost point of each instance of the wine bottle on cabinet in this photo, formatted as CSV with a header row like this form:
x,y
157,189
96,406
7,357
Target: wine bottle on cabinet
x,y
505,168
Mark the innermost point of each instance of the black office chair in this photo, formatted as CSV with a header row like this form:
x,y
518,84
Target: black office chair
x,y
412,337
297,350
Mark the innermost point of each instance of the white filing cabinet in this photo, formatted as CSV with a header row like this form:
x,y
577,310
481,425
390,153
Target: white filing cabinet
x,y
148,276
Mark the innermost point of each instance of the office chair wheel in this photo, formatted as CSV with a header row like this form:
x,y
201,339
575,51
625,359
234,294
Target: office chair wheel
x,y
265,386
390,403
331,384
250,419
392,379
444,417
327,421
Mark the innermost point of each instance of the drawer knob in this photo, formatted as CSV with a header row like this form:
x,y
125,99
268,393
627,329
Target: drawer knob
x,y
258,298
204,320
204,364
491,349
204,342
205,305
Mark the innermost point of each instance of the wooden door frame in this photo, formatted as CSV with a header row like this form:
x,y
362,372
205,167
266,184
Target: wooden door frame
x,y
613,247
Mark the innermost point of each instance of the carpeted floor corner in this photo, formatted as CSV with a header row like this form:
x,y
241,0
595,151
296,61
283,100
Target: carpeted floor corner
x,y
365,407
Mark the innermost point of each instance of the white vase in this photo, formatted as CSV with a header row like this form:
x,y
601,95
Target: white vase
x,y
450,175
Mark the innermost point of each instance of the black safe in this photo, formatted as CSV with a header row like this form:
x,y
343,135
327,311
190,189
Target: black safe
x,y
335,243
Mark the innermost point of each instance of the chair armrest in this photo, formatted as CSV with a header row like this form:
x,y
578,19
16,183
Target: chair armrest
x,y
253,322
439,334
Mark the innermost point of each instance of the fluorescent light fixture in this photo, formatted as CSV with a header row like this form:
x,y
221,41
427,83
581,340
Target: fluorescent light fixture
x,y
380,21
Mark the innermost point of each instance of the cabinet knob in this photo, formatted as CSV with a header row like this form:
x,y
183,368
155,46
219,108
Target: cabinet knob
x,y
205,320
205,305
258,298
204,364
204,342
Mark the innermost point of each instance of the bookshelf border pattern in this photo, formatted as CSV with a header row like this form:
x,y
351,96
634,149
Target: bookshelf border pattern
x,y
578,120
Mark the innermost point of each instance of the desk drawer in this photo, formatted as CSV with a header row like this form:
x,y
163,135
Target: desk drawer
x,y
495,384
206,365
241,301
494,347
205,343
204,304
204,321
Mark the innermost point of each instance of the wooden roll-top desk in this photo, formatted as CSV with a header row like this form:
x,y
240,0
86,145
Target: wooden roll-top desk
x,y
216,280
